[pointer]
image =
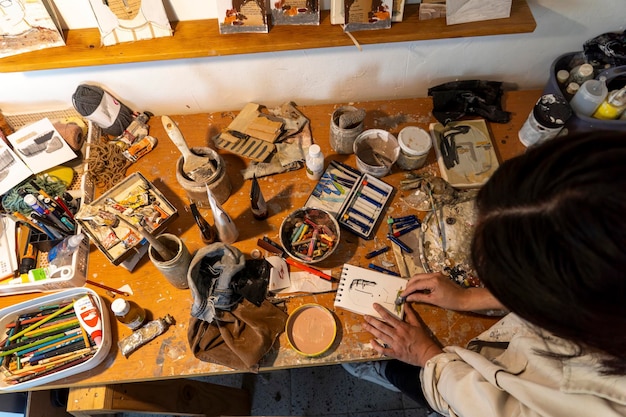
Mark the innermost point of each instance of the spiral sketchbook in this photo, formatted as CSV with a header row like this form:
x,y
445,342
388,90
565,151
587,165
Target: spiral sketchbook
x,y
360,288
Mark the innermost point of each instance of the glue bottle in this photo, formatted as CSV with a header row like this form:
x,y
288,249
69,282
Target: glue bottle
x,y
589,97
314,162
61,254
128,313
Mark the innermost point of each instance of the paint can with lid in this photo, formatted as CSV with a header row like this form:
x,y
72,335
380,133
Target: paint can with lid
x,y
546,119
415,145
218,182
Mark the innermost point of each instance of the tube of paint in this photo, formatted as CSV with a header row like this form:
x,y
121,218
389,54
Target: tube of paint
x,y
89,318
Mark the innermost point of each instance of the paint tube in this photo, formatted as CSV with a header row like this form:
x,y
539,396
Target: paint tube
x,y
144,334
89,317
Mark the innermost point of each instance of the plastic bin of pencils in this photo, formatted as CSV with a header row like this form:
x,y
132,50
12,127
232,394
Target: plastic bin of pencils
x,y
54,347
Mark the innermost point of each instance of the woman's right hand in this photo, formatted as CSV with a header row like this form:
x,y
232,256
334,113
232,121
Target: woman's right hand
x,y
438,289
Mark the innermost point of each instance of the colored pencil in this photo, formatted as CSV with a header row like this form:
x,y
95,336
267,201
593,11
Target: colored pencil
x,y
42,321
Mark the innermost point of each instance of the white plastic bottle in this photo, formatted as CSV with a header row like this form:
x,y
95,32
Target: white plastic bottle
x,y
314,162
589,97
61,254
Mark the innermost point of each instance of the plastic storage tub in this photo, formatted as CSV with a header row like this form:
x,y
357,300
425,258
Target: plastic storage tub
x,y
580,123
8,314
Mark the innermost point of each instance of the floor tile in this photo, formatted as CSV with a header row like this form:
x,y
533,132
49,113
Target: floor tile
x,y
270,392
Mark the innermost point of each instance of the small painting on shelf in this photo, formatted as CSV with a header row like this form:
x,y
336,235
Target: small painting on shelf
x,y
295,12
242,16
367,14
130,20
27,25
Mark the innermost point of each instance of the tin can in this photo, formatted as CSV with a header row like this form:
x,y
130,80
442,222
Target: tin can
x,y
546,119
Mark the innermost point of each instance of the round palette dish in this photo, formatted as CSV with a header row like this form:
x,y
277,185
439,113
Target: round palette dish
x,y
309,234
311,329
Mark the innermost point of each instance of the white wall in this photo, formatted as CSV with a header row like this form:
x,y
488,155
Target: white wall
x,y
331,75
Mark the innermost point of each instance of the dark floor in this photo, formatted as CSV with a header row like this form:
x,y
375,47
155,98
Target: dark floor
x,y
317,391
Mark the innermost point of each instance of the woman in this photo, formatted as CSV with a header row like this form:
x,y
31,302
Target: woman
x,y
550,247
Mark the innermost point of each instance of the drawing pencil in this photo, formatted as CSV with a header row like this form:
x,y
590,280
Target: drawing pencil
x,y
42,321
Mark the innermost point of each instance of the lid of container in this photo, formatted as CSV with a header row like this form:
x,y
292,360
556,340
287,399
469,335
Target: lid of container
x,y
552,110
315,150
414,141
120,307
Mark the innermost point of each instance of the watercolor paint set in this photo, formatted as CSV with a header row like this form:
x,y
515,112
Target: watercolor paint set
x,y
52,337
356,200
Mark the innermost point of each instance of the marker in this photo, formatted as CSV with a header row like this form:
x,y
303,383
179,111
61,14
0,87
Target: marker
x,y
400,243
406,230
377,252
383,270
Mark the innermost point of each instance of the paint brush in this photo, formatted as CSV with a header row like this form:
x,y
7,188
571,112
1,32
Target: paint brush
x,y
165,253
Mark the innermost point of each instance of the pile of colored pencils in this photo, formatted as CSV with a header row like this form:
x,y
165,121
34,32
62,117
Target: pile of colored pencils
x,y
42,342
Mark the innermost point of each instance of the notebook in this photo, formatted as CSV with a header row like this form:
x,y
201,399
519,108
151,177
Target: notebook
x,y
360,288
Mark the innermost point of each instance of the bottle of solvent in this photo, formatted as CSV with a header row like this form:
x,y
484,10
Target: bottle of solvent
x,y
314,162
128,313
613,106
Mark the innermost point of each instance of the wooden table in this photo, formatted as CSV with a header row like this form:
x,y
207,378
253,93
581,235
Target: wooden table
x,y
169,356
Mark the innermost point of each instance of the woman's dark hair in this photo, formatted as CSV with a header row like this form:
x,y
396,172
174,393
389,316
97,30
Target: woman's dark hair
x,y
550,240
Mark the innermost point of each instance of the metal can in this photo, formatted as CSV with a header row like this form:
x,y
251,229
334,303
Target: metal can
x,y
546,119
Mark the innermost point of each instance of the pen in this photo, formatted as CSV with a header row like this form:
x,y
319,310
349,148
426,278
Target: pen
x,y
307,268
406,230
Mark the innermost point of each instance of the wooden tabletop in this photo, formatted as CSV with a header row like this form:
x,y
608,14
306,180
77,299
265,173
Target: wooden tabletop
x,y
169,356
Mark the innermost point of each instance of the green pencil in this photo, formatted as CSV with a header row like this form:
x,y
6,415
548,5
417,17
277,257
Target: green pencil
x,y
42,321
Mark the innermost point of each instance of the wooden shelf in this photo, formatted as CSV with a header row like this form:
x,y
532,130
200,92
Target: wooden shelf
x,y
201,38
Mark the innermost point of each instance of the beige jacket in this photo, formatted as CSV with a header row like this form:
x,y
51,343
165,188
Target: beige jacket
x,y
490,378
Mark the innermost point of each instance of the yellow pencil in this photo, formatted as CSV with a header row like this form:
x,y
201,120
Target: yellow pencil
x,y
42,321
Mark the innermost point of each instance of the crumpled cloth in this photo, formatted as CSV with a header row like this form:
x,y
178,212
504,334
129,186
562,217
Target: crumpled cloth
x,y
225,326
209,276
456,99
238,338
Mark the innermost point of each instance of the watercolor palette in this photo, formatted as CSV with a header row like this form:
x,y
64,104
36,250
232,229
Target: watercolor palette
x,y
55,368
356,200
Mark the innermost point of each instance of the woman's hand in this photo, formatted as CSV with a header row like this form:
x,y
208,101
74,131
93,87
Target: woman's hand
x,y
407,341
439,290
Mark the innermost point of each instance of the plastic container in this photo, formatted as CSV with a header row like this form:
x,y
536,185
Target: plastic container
x,y
415,145
311,330
376,151
61,254
589,96
314,162
9,314
613,106
578,122
128,313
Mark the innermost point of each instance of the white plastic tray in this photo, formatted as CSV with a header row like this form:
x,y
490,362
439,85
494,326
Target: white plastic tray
x,y
8,314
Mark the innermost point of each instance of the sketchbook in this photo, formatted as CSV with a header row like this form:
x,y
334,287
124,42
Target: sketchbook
x,y
360,288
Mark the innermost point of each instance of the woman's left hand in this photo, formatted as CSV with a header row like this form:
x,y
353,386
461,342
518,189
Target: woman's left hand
x,y
406,341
